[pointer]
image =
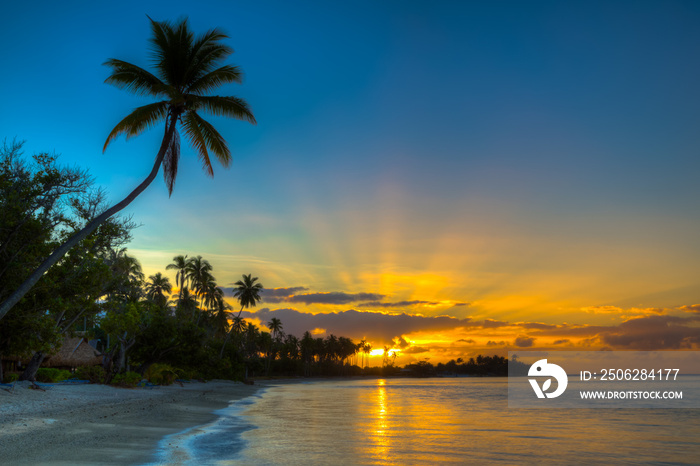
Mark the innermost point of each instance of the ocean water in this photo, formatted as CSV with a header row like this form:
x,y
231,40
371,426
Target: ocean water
x,y
428,421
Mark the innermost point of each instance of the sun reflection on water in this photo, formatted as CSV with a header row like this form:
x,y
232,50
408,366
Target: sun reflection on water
x,y
381,440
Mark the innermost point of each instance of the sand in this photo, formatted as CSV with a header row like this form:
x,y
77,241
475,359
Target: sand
x,y
98,424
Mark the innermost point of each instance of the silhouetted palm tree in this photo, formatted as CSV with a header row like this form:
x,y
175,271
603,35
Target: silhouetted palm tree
x,y
367,349
180,265
238,327
198,273
307,352
186,305
127,273
247,292
275,326
156,287
186,67
221,307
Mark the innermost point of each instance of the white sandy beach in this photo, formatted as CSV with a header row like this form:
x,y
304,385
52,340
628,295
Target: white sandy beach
x,y
98,424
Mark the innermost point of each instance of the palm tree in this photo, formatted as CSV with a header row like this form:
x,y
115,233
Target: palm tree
x,y
127,274
361,347
186,67
307,352
211,293
237,327
156,287
252,334
180,265
198,272
247,292
275,326
367,349
186,305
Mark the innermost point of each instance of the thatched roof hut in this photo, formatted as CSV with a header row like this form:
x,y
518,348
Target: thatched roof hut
x,y
75,352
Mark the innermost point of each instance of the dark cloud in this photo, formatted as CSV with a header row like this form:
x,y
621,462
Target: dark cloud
x,y
397,304
650,333
522,341
646,332
375,326
278,295
401,343
536,325
334,297
415,350
691,308
490,323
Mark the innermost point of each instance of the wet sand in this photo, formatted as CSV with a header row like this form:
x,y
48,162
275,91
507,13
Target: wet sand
x,y
103,425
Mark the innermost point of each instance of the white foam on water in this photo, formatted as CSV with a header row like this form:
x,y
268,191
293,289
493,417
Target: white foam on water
x,y
217,441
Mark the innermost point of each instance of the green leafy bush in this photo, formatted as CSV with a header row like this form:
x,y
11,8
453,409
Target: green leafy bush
x,y
51,375
161,374
127,379
187,374
95,374
11,377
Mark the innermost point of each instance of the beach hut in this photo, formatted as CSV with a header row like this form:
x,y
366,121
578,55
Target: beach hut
x,y
74,353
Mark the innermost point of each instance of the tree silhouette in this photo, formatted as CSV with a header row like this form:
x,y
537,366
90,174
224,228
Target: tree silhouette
x,y
180,265
156,287
247,292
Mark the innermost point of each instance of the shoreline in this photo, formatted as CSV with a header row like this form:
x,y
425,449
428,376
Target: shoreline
x,y
100,424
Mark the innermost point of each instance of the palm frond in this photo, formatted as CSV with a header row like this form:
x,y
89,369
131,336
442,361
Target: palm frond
x,y
159,40
214,140
171,46
223,75
207,50
140,119
194,134
233,107
134,78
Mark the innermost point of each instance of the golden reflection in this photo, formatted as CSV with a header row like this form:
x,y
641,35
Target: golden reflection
x,y
418,411
381,440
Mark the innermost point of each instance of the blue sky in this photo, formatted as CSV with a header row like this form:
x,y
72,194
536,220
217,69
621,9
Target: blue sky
x,y
534,159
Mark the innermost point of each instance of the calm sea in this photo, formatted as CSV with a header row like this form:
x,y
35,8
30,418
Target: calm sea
x,y
428,421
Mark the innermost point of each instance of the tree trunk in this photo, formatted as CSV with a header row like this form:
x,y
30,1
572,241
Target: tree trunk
x,y
108,364
228,334
33,366
1,374
61,251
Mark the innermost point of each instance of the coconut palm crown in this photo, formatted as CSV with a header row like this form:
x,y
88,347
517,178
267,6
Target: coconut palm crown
x,y
186,67
247,291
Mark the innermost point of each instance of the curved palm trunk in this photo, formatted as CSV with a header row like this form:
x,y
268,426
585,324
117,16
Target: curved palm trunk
x,y
61,251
